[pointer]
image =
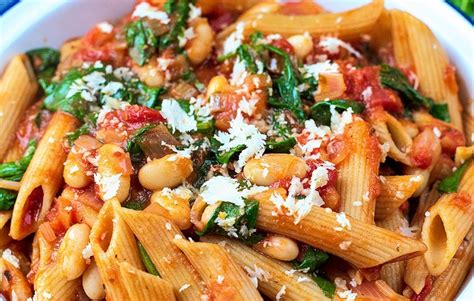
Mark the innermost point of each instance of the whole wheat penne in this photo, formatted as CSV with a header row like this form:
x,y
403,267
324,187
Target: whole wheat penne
x,y
396,190
156,234
357,181
270,274
51,285
17,90
446,286
415,46
218,270
113,242
348,24
392,273
43,177
326,230
144,286
467,181
445,227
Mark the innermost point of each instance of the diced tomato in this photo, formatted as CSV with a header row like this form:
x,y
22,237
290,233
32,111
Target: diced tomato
x,y
450,139
425,291
463,201
358,80
283,44
220,19
422,149
338,148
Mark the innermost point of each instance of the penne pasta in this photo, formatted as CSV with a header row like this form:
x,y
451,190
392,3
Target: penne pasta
x,y
143,286
112,242
445,227
10,185
467,181
219,271
270,275
415,46
43,178
157,234
17,89
15,286
392,273
326,230
446,286
396,190
349,24
51,285
357,181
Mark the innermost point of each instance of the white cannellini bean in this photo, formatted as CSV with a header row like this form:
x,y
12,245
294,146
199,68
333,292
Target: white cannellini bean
x,y
70,258
278,247
168,171
75,173
200,46
92,282
302,44
177,207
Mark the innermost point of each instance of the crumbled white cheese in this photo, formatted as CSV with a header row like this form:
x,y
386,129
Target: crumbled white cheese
x,y
280,293
239,73
87,252
384,149
416,179
176,117
109,185
145,10
367,93
234,40
187,35
242,133
168,226
339,121
399,195
220,279
302,279
110,104
347,295
183,287
357,203
8,255
51,140
345,245
343,221
105,27
256,274
194,12
248,106
220,188
332,44
437,132
427,213
290,272
47,295
73,169
323,67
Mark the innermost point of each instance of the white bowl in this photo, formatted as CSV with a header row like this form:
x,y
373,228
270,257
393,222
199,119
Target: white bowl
x,y
37,23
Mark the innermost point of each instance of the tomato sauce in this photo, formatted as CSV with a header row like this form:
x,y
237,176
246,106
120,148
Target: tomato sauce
x,y
33,206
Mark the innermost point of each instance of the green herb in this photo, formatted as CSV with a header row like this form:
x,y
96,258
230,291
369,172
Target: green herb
x,y
13,171
223,157
255,37
393,78
141,41
244,217
440,111
147,262
311,260
321,111
181,12
89,123
451,183
327,286
287,86
132,142
282,146
245,55
45,62
224,57
170,6
203,171
282,141
7,199
134,205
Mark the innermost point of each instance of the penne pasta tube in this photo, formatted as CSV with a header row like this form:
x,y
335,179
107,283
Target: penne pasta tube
x,y
219,271
467,181
43,177
326,230
269,274
357,182
17,90
144,286
445,227
396,190
415,46
390,131
156,233
11,185
15,286
113,242
14,152
446,286
463,153
51,285
468,119
232,5
346,25
4,217
392,273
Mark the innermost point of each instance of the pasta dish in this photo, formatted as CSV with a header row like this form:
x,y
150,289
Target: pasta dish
x,y
236,150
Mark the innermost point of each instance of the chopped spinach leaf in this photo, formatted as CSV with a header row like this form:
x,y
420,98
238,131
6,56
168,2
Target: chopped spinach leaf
x,y
321,111
13,171
255,37
281,146
141,41
311,259
89,123
7,199
327,286
45,62
223,157
245,55
134,205
451,183
170,6
147,262
282,140
132,143
440,111
181,11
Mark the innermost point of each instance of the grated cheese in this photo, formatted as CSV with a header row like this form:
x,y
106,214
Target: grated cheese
x,y
347,295
108,184
176,117
280,293
339,121
220,279
194,12
220,188
343,221
345,245
183,287
145,10
322,67
367,93
105,27
8,255
332,44
257,274
234,40
87,252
